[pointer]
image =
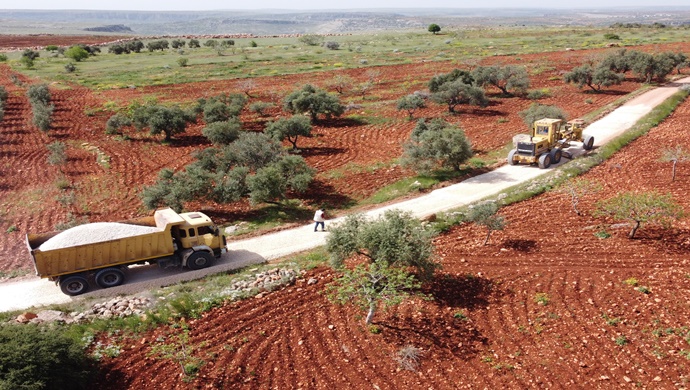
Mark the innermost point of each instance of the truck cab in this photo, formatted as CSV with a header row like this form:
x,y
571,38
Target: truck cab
x,y
196,230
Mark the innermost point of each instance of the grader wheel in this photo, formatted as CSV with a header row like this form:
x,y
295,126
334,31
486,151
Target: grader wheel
x,y
545,161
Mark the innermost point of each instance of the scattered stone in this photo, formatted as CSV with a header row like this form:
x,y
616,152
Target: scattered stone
x,y
657,379
625,378
24,318
312,281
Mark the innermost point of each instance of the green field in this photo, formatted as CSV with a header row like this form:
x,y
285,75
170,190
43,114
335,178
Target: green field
x,y
278,56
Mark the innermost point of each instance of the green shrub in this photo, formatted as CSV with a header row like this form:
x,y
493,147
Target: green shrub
x,y
36,358
57,154
537,94
116,122
38,93
260,107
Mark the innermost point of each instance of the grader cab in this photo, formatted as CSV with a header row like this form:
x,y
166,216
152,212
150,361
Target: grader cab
x,y
545,145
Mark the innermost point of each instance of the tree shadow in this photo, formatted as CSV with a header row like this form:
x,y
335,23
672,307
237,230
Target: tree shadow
x,y
340,122
467,291
450,332
320,151
325,195
526,246
189,140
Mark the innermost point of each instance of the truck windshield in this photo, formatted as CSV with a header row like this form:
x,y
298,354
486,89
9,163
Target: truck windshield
x,y
542,130
204,230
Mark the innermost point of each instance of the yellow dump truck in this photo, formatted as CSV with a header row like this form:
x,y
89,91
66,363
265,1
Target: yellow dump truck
x,y
102,251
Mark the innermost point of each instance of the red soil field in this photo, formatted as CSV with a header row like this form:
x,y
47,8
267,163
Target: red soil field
x,y
592,330
342,150
484,328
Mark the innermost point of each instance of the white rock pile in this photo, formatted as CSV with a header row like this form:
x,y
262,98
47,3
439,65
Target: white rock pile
x,y
264,281
95,232
116,307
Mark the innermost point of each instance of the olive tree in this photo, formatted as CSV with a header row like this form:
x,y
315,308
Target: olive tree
x,y
314,101
161,119
116,122
38,93
58,155
674,156
254,166
576,189
594,78
509,79
434,28
411,103
33,357
390,244
641,207
649,67
436,144
340,83
484,214
457,92
222,132
222,107
538,111
289,128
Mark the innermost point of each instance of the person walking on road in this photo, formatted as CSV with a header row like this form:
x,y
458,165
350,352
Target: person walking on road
x,y
320,219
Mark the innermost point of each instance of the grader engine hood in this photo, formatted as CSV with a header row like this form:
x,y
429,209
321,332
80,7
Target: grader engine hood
x,y
530,148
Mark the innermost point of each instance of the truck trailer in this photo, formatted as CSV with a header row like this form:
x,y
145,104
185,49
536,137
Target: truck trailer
x,y
103,251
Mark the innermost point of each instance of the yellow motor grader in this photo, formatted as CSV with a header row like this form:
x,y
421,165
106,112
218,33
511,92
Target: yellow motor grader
x,y
546,143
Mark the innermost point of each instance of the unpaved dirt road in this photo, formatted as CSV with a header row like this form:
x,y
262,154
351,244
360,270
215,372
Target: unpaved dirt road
x,y
31,292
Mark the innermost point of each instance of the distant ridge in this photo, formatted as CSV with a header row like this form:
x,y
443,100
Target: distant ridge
x,y
273,22
113,28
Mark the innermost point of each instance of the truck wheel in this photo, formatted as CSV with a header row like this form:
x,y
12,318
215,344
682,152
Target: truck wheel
x,y
556,155
199,260
511,157
74,285
544,161
110,277
588,142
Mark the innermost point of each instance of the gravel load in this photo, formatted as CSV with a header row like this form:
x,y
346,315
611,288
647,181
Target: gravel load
x,y
95,232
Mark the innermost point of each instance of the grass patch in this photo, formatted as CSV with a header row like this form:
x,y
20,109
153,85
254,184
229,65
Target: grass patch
x,y
401,188
286,55
272,216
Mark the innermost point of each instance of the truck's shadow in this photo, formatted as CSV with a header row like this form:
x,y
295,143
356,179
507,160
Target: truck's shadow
x,y
145,277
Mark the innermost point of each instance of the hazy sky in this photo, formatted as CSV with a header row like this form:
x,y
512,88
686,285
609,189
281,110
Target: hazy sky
x,y
173,5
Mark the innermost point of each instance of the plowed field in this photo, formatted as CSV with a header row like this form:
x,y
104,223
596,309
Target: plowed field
x,y
104,174
546,304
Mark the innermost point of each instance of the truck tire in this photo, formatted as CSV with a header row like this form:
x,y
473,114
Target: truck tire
x,y
199,260
110,277
588,142
556,155
511,157
544,161
73,285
